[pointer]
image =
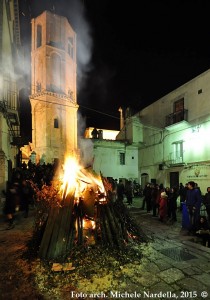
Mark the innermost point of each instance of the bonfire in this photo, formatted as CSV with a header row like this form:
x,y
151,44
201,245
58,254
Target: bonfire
x,y
82,212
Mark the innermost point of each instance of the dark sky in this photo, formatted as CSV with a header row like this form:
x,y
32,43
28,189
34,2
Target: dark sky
x,y
137,51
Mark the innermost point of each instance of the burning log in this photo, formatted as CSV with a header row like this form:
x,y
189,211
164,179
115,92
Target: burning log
x,y
71,223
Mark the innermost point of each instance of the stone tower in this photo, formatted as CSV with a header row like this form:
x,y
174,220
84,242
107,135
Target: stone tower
x,y
53,88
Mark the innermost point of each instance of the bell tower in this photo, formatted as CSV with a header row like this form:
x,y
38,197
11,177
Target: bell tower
x,y
53,87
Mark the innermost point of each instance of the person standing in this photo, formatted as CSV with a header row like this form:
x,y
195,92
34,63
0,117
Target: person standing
x,y
155,196
129,192
172,204
182,195
147,198
193,203
206,202
163,206
25,197
11,204
94,133
120,191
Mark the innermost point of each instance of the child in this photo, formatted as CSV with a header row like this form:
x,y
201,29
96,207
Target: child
x,y
163,207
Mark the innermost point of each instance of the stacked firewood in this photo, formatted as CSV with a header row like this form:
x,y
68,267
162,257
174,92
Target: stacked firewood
x,y
65,225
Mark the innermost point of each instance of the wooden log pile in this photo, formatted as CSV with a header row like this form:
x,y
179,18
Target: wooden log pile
x,y
59,232
65,226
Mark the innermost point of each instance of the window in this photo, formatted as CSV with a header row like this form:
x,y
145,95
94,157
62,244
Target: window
x,y
122,158
179,105
39,36
71,47
56,125
178,111
177,155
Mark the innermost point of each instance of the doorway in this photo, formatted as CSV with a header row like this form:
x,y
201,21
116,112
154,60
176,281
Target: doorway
x,y
174,179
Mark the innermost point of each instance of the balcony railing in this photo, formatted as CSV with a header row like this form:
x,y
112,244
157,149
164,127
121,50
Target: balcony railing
x,y
176,117
176,158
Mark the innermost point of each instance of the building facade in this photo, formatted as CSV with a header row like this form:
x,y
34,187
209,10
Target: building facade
x,y
53,88
9,95
111,158
111,152
175,146
170,137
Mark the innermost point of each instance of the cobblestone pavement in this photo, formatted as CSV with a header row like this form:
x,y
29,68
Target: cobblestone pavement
x,y
176,265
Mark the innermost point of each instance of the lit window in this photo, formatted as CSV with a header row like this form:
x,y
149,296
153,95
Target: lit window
x,y
177,155
122,158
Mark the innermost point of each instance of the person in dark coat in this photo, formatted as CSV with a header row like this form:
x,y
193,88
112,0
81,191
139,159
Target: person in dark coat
x,y
155,196
172,204
193,203
11,203
129,192
147,197
25,191
182,194
94,133
206,202
203,230
120,191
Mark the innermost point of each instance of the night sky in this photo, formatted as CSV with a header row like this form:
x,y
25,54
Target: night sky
x,y
131,53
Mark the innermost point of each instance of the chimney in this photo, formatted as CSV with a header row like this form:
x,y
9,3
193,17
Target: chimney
x,y
121,118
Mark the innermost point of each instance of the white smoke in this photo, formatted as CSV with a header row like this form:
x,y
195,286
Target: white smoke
x,y
85,145
78,20
86,152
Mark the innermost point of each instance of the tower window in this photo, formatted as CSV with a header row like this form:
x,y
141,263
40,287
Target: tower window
x,y
39,36
56,125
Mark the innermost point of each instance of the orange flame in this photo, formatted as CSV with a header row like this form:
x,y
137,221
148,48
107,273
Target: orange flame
x,y
76,179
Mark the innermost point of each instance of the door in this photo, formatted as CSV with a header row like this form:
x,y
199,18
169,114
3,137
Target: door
x,y
174,179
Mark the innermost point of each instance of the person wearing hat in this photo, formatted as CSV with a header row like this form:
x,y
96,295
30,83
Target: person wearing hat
x,y
163,206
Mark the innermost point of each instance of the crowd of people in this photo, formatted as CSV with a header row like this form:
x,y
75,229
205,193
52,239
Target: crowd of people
x,y
159,201
125,188
19,193
164,203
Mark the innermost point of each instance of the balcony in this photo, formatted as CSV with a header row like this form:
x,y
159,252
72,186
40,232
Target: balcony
x,y
12,117
176,119
176,159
